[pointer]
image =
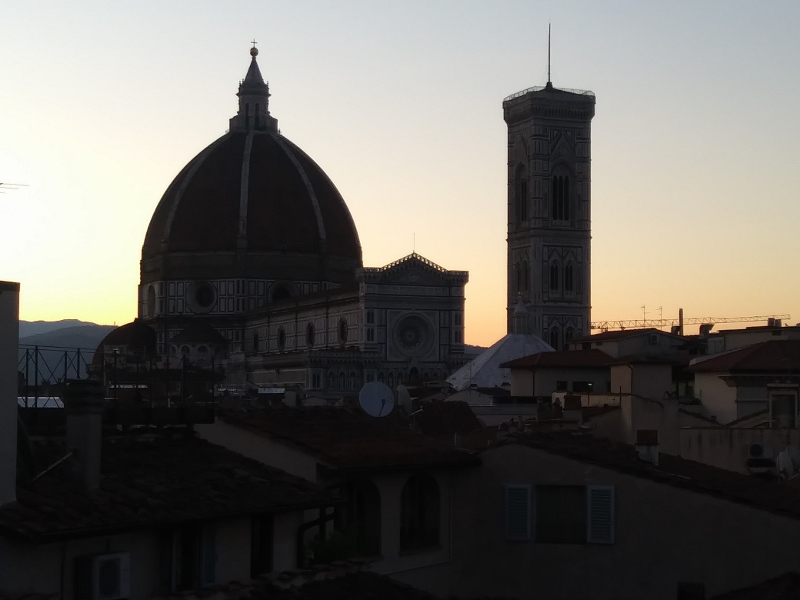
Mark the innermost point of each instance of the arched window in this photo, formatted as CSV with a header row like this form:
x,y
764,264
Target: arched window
x,y
363,516
255,341
353,382
381,378
331,381
280,292
202,349
569,334
342,381
184,350
247,115
569,278
419,513
555,337
559,202
258,119
518,268
281,338
310,335
399,379
554,277
343,331
521,194
525,275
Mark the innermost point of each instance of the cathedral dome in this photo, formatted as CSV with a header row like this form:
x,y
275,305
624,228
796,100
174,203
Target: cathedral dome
x,y
252,204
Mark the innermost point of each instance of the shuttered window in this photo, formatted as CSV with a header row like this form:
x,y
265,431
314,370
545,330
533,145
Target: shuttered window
x,y
600,514
518,512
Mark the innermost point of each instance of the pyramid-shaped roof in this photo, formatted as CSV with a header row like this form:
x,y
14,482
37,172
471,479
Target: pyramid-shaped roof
x,y
485,370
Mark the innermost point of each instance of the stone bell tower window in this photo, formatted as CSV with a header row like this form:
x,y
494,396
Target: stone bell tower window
x,y
521,194
560,198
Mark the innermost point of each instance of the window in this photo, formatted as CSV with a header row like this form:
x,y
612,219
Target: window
x,y
555,338
569,281
521,192
310,335
342,381
554,277
363,516
559,202
342,331
560,514
281,338
582,386
193,557
260,545
525,275
255,341
370,334
370,317
419,513
569,334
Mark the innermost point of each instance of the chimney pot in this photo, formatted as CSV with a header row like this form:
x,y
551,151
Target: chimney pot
x,y
83,403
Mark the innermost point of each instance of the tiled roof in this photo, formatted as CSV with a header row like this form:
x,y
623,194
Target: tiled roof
x,y
152,479
563,358
774,356
615,335
350,439
785,587
745,489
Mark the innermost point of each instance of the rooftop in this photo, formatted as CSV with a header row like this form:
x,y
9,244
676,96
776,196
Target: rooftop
x,y
350,439
675,471
775,356
151,479
616,335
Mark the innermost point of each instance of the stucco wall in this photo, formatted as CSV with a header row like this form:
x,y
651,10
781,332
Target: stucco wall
x,y
728,448
717,396
664,535
32,568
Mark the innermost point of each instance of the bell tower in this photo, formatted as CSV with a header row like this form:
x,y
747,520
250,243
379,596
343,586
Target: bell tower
x,y
549,210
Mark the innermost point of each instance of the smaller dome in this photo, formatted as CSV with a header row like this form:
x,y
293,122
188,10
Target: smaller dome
x,y
137,337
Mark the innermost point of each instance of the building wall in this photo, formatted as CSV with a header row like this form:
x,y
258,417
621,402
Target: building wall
x,y
48,568
663,535
546,380
9,336
728,448
717,396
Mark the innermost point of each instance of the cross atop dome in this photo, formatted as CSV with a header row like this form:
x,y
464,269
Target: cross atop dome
x,y
253,100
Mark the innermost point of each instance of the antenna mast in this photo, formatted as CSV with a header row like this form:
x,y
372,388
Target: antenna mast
x,y
548,55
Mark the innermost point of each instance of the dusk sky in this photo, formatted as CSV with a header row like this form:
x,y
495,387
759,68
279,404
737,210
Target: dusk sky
x,y
695,142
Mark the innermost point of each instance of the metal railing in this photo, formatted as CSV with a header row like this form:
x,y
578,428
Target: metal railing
x,y
539,88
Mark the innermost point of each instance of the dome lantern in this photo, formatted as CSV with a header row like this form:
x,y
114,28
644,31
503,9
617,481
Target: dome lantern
x,y
253,100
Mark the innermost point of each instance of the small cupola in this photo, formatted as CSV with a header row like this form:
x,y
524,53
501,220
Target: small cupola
x,y
253,101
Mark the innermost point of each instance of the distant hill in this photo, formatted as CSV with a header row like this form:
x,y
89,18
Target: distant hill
x,y
28,328
87,335
55,339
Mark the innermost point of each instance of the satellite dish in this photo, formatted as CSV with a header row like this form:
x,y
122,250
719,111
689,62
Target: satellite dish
x,y
376,399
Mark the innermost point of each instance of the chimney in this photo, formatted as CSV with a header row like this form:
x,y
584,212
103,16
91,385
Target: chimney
x,y
9,343
647,445
83,402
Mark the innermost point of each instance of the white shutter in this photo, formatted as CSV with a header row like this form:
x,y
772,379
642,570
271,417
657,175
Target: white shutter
x,y
600,514
518,512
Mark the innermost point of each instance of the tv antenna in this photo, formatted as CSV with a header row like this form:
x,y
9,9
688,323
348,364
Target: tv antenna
x,y
548,55
376,399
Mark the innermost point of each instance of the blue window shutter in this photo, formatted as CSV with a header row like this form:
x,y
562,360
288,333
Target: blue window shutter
x,y
600,517
518,512
208,553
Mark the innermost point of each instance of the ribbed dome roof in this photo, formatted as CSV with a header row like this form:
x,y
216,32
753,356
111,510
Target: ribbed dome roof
x,y
256,190
137,336
252,204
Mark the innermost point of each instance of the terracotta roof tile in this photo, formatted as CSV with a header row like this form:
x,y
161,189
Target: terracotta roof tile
x,y
149,480
774,355
350,439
